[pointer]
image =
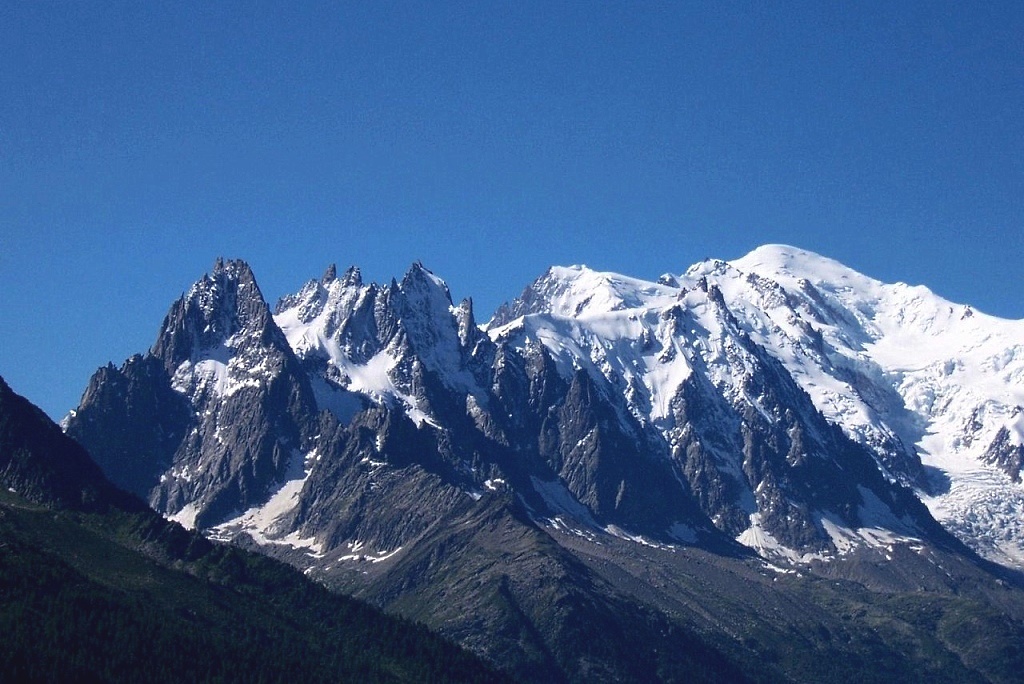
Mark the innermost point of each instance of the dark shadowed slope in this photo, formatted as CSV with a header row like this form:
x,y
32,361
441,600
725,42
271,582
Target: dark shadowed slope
x,y
94,586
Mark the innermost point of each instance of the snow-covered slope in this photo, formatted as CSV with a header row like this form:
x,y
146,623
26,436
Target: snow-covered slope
x,y
932,388
372,343
946,380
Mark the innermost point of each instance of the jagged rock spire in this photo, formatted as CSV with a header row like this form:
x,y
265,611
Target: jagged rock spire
x,y
352,277
219,305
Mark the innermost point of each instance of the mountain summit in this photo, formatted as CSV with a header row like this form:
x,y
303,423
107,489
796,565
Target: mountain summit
x,y
214,416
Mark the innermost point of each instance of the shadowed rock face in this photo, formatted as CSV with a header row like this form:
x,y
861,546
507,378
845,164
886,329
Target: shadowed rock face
x,y
39,463
1006,455
133,421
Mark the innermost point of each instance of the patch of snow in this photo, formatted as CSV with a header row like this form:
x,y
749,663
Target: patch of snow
x,y
186,517
419,416
561,524
356,553
221,371
263,523
342,403
616,531
762,541
848,539
683,533
559,499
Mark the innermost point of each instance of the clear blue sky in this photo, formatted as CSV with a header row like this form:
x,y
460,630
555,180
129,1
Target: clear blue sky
x,y
139,141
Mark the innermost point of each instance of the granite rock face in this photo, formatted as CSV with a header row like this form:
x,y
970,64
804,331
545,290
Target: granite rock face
x,y
206,423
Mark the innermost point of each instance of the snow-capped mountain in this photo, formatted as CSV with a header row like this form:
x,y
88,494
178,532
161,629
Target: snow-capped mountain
x,y
897,361
934,390
601,436
367,343
781,400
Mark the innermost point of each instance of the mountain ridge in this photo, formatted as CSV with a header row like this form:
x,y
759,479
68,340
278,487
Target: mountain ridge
x,y
367,355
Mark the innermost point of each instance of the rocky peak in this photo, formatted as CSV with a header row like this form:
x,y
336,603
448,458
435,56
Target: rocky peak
x,y
222,305
469,333
420,283
352,277
535,298
424,307
207,422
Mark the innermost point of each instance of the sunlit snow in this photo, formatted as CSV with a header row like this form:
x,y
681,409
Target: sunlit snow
x,y
264,523
895,366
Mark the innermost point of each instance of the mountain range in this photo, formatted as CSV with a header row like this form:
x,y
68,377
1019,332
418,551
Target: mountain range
x,y
774,467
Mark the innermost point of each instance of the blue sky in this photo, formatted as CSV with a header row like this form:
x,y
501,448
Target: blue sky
x,y
139,141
